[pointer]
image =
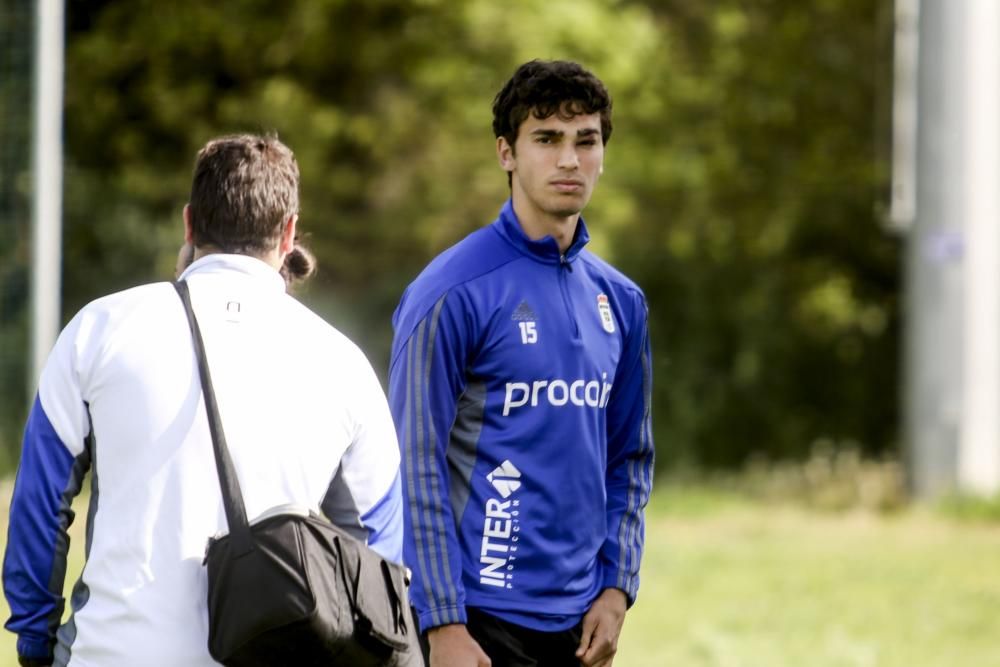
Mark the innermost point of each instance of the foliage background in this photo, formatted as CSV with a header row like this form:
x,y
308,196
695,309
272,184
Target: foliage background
x,y
741,189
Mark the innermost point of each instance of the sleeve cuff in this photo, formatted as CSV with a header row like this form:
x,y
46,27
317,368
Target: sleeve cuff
x,y
34,650
33,662
432,618
630,587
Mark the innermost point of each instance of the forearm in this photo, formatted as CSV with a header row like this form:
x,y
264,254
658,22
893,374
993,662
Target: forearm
x,y
35,559
431,550
631,455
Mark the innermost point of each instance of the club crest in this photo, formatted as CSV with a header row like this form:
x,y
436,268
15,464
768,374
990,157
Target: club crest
x,y
604,310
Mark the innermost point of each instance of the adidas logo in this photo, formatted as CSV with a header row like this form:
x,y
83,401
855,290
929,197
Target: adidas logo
x,y
504,478
523,313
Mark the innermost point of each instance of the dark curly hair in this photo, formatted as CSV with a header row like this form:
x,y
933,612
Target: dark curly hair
x,y
299,265
547,87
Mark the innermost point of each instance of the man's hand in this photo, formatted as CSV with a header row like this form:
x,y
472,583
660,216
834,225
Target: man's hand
x,y
453,646
601,626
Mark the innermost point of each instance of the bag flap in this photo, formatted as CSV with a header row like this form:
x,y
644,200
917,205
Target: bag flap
x,y
382,607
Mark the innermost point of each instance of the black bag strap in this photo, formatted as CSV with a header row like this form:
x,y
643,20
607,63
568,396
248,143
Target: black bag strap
x,y
350,575
232,497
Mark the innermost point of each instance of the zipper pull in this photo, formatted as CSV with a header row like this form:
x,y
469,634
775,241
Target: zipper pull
x,y
565,263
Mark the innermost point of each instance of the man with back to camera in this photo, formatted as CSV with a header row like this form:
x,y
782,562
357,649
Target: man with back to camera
x,y
520,386
305,418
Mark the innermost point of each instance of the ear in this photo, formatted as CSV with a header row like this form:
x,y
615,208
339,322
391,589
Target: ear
x,y
287,241
187,224
505,155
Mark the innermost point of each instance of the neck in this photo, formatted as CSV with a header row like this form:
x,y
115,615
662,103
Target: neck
x,y
272,258
538,224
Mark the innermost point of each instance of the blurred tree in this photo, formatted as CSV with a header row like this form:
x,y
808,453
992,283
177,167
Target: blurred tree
x,y
739,187
774,289
386,104
16,31
149,84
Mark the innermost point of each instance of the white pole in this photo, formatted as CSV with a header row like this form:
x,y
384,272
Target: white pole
x,y
903,209
979,444
47,172
935,262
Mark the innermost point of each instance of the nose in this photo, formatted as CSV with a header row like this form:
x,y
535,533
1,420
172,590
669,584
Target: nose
x,y
568,159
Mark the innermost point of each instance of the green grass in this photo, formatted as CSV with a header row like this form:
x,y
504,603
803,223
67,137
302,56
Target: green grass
x,y
972,507
728,582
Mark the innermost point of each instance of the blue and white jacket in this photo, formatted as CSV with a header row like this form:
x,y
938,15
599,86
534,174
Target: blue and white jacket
x,y
520,388
306,422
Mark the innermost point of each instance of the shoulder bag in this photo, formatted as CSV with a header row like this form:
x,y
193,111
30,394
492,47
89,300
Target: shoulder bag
x,y
291,588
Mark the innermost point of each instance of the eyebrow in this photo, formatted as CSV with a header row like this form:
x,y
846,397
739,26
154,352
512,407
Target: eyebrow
x,y
586,132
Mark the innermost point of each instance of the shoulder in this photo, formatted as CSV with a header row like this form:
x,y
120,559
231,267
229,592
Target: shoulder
x,y
150,294
477,256
314,333
139,315
622,285
146,302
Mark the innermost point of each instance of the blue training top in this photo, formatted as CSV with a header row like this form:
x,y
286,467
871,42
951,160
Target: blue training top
x,y
520,387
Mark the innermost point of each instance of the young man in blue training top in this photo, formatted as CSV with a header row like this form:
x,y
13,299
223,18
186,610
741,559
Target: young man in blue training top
x,y
520,385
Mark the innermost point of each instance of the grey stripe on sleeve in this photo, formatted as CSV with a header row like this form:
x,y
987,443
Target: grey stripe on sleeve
x,y
645,466
625,532
87,460
448,589
414,490
628,530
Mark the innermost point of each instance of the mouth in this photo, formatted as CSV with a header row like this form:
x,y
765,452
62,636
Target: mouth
x,y
566,185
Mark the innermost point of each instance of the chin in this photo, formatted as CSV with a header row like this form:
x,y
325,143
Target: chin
x,y
566,207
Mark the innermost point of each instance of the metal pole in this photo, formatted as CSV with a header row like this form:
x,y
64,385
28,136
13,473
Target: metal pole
x,y
979,444
47,173
906,47
934,258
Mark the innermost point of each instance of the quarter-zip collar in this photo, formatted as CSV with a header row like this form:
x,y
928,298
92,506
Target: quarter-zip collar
x,y
544,249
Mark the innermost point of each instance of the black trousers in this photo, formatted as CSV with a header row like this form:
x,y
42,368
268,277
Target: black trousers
x,y
512,645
